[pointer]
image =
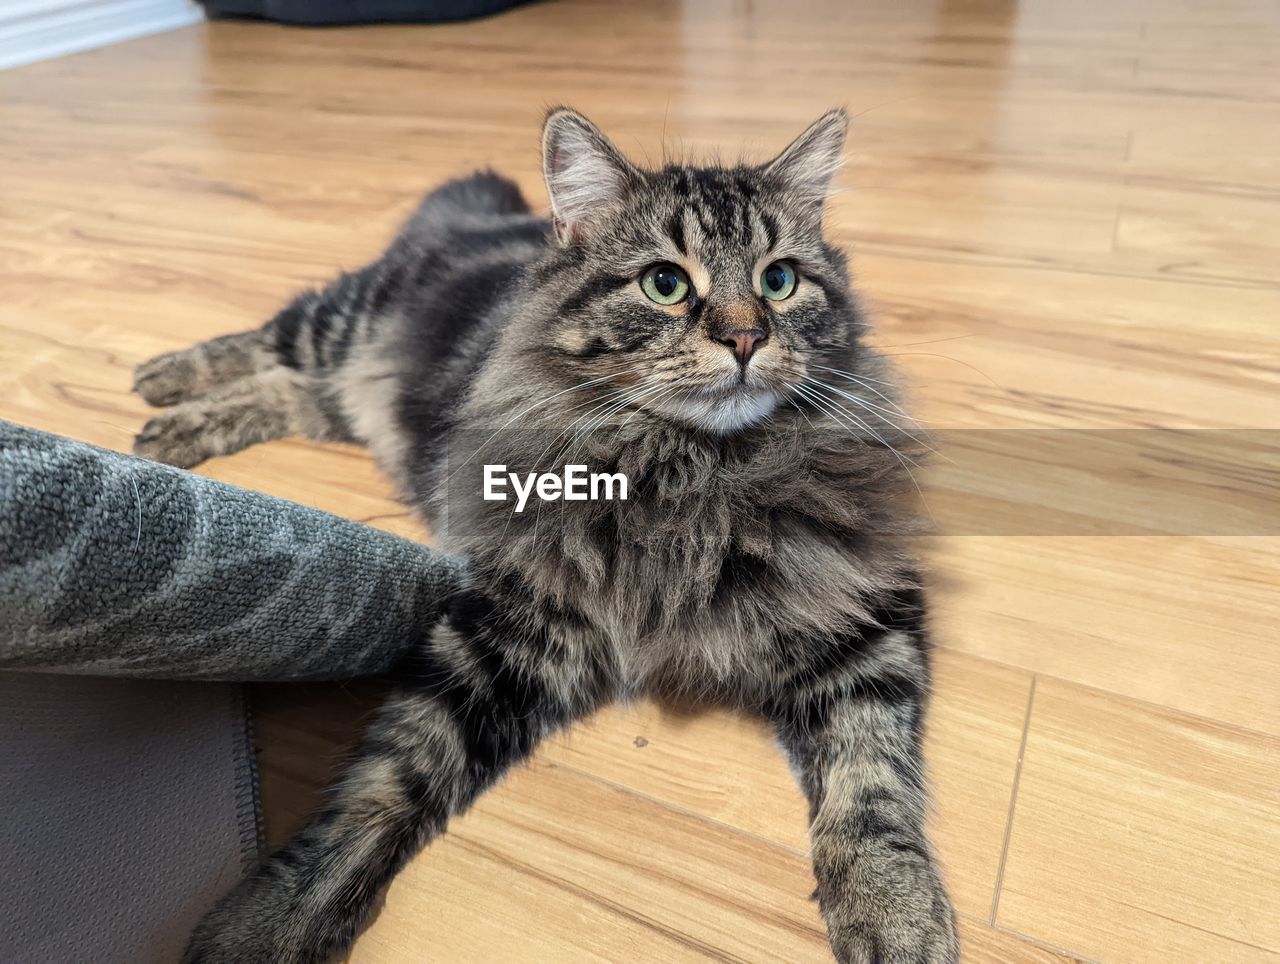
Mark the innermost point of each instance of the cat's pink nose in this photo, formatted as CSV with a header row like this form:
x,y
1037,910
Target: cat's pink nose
x,y
743,341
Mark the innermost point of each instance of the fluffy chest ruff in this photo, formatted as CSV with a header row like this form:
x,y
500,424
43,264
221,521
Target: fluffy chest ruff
x,y
723,548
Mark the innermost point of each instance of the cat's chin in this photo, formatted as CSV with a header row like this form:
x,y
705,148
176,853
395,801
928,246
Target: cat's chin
x,y
721,413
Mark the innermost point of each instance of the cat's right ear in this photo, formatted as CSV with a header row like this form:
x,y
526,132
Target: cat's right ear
x,y
586,175
810,162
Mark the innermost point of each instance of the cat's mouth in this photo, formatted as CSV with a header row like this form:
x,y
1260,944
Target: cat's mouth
x,y
723,409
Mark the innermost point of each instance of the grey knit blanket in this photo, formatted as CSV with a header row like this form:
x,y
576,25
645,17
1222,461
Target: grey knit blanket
x,y
114,565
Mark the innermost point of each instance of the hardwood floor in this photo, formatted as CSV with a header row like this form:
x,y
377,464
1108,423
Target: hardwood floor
x,y
1062,215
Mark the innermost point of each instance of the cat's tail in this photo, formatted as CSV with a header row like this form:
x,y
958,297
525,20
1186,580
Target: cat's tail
x,y
480,193
476,201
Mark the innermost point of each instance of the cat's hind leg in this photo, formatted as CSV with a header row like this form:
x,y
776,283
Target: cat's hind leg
x,y
179,376
260,407
232,392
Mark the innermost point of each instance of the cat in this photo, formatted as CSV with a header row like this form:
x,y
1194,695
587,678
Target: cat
x,y
691,328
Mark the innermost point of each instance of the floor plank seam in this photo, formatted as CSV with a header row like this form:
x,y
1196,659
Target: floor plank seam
x,y
1054,948
1013,801
1124,697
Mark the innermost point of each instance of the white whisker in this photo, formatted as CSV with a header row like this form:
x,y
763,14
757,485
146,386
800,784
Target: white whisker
x,y
861,380
848,415
874,411
833,410
498,431
934,354
614,404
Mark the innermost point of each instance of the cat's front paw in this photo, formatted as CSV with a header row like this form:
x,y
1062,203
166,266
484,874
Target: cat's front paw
x,y
282,914
181,436
888,908
251,924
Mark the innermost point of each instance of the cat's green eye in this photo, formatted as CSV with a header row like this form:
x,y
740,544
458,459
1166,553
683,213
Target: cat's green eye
x,y
778,280
665,284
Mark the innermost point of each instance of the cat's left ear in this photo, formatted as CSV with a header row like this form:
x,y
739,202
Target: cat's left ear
x,y
809,163
586,175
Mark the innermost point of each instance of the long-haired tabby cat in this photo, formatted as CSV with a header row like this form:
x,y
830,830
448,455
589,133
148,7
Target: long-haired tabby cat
x,y
688,327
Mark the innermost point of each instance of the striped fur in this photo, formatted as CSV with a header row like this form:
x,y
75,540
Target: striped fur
x,y
761,561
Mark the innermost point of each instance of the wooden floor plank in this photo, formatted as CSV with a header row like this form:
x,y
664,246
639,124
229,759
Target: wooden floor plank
x,y
730,770
693,889
1185,622
1142,834
985,944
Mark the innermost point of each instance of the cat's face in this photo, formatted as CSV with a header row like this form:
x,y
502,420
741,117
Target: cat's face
x,y
701,293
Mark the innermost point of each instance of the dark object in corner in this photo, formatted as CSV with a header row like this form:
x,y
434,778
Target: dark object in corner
x,y
316,12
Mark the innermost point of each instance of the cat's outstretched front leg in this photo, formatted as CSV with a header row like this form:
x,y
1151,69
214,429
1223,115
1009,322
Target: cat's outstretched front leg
x,y
851,723
476,699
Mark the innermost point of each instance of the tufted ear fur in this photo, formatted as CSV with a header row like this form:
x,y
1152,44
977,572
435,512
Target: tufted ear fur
x,y
807,166
585,173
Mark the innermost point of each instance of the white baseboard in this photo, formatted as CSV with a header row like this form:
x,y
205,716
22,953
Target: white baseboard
x,y
32,30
